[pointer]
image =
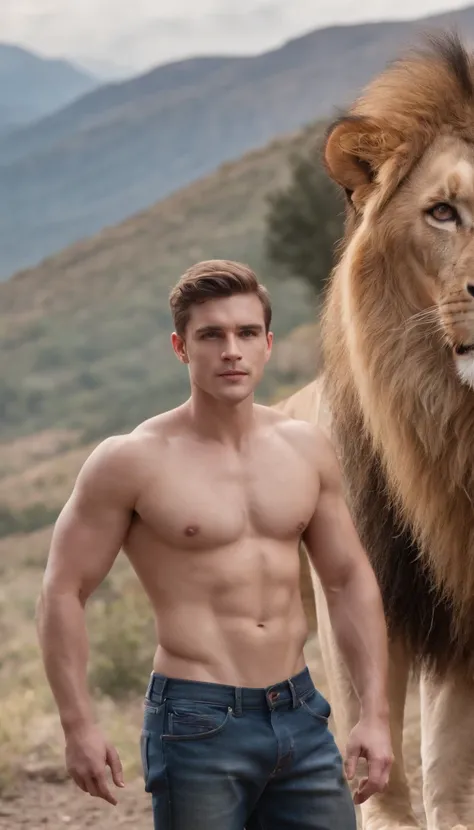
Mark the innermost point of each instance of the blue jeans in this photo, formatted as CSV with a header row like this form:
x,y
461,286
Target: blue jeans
x,y
219,757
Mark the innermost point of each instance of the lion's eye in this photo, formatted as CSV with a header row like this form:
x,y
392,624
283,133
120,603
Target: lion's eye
x,y
443,212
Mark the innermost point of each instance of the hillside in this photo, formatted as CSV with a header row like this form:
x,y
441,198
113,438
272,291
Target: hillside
x,y
126,145
32,86
84,344
84,338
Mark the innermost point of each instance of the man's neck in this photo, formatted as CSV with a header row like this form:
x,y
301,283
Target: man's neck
x,y
227,423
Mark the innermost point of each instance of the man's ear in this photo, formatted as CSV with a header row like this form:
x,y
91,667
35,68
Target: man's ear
x,y
179,347
354,150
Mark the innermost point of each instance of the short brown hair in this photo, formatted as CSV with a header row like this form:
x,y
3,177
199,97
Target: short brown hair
x,y
211,279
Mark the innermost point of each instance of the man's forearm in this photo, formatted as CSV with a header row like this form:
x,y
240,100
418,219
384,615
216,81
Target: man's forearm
x,y
63,638
358,622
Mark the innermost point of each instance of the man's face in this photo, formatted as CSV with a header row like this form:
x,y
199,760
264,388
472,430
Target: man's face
x,y
225,346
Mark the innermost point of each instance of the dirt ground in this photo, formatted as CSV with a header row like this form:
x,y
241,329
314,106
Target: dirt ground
x,y
57,805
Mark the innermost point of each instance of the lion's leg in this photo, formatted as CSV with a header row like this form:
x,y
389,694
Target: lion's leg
x,y
447,751
392,810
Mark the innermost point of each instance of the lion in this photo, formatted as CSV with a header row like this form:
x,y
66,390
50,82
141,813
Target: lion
x,y
396,397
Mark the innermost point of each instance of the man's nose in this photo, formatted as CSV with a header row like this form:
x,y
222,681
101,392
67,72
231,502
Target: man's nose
x,y
470,288
231,350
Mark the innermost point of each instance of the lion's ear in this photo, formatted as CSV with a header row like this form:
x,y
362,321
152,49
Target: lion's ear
x,y
354,150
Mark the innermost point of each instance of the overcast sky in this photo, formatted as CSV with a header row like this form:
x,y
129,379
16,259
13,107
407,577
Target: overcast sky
x,y
134,34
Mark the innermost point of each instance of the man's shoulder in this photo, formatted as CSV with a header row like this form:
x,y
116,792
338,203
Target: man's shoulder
x,y
309,441
303,433
122,452
110,459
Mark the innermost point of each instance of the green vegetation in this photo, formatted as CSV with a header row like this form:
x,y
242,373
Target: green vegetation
x,y
305,221
33,517
84,337
123,643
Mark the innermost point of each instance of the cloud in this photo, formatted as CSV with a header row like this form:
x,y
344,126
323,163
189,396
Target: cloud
x,y
145,32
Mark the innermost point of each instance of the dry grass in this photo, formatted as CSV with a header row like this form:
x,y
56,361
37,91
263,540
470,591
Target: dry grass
x,y
121,641
121,636
17,455
48,481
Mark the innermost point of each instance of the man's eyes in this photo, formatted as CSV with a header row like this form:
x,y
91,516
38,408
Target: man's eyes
x,y
211,335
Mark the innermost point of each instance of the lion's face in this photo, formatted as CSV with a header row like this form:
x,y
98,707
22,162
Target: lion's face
x,y
431,221
423,229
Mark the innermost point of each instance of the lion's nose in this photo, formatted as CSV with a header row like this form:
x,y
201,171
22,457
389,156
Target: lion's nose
x,y
470,288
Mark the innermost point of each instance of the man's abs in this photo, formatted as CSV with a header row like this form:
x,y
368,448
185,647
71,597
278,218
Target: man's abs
x,y
231,615
235,652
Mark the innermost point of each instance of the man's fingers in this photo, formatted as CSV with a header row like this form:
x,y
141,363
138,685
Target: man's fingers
x,y
375,782
79,781
92,787
97,787
104,791
359,794
350,764
350,768
115,765
365,790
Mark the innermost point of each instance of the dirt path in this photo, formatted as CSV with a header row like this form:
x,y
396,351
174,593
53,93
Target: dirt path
x,y
56,806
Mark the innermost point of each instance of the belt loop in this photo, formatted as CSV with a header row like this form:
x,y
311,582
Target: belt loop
x,y
294,697
160,692
238,702
149,688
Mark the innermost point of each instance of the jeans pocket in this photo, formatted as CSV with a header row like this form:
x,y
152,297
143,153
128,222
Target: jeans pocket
x,y
317,706
194,721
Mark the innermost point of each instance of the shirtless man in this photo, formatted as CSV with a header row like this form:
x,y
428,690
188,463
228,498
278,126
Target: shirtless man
x,y
209,501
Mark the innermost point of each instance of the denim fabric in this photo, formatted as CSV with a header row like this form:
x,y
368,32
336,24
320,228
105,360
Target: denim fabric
x,y
219,757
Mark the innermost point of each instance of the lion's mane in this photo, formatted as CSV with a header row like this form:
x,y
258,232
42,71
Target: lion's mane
x,y
401,418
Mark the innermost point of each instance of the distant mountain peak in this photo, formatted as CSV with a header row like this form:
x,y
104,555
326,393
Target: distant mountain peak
x,y
32,86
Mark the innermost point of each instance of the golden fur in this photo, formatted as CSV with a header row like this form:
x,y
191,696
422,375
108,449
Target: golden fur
x,y
397,307
397,398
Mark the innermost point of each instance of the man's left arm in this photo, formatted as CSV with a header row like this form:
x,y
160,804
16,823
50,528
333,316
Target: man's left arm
x,y
357,618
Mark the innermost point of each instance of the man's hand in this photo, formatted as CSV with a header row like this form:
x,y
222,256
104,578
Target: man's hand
x,y
87,756
370,739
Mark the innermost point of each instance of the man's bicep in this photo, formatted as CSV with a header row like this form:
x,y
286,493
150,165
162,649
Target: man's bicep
x,y
331,541
331,538
83,549
91,527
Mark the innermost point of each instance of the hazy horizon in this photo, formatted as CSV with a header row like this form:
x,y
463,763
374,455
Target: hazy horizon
x,y
112,38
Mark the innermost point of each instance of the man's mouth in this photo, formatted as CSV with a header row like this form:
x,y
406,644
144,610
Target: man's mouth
x,y
232,373
464,348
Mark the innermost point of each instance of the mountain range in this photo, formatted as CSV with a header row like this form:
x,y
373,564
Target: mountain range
x,y
32,87
124,146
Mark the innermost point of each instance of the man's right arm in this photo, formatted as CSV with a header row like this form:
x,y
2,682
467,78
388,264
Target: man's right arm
x,y
86,540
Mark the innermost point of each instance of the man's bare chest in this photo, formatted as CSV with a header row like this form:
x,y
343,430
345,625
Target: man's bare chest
x,y
199,505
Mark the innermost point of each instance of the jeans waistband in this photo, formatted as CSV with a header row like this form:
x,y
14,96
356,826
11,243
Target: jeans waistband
x,y
239,698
